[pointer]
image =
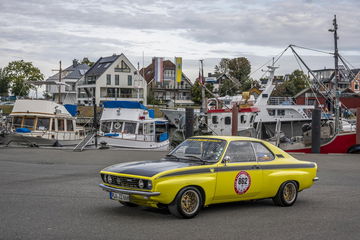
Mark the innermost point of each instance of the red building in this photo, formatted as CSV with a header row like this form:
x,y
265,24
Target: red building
x,y
348,98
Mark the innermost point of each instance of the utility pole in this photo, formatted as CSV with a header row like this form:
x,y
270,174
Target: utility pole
x,y
337,76
203,103
59,85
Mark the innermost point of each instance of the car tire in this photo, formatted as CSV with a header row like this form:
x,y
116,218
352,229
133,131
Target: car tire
x,y
187,203
287,194
128,204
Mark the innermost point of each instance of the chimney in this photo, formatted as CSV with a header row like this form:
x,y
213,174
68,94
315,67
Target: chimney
x,y
75,62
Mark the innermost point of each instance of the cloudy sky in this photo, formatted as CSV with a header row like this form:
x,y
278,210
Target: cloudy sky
x,y
44,32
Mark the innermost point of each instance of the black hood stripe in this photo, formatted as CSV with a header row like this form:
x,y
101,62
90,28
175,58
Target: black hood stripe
x,y
239,168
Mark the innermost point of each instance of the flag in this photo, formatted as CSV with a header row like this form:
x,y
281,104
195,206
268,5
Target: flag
x,y
158,69
178,74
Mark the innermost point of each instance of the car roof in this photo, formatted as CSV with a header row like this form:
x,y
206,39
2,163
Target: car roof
x,y
229,138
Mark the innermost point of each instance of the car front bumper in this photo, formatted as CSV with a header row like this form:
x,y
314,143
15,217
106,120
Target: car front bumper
x,y
130,192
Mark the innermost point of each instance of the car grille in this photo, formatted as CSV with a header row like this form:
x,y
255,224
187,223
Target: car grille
x,y
123,181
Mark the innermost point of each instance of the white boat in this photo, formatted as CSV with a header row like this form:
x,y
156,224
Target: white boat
x,y
45,123
128,124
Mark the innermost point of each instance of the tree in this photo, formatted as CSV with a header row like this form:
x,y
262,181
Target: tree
x,y
19,74
196,92
240,69
228,87
87,61
223,66
4,83
297,81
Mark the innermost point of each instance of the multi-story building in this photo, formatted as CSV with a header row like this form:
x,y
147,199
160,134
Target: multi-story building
x,y
328,79
112,78
69,76
169,91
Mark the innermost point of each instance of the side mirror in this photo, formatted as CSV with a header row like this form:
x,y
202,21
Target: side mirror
x,y
226,160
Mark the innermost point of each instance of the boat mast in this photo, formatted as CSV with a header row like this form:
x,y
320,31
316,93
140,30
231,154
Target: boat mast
x,y
202,81
337,76
60,70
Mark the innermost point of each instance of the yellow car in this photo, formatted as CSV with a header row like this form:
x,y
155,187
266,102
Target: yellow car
x,y
208,170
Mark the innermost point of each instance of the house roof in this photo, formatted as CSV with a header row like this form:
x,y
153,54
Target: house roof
x,y
167,65
71,72
101,65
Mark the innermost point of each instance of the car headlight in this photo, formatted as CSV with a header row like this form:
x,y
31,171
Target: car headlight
x,y
141,184
109,179
149,184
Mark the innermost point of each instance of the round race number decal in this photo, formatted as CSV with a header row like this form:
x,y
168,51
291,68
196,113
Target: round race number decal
x,y
242,182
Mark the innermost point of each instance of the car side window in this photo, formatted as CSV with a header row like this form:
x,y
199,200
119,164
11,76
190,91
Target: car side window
x,y
262,152
240,151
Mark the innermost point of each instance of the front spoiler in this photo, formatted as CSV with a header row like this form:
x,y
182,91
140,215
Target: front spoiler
x,y
130,192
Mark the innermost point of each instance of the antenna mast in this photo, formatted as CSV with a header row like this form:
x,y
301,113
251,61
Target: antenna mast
x,y
337,75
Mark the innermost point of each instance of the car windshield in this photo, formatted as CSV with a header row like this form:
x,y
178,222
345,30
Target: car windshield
x,y
199,149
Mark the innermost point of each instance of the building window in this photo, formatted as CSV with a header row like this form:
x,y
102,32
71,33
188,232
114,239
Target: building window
x,y
129,80
123,68
108,79
117,80
356,86
125,92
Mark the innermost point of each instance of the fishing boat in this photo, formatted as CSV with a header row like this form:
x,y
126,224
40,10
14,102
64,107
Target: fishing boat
x,y
126,124
44,123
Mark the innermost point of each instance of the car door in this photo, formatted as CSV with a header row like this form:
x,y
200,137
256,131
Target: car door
x,y
241,177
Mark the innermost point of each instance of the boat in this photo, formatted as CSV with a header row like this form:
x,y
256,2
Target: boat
x,y
126,124
44,123
220,112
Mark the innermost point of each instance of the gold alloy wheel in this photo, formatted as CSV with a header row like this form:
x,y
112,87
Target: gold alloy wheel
x,y
190,202
289,192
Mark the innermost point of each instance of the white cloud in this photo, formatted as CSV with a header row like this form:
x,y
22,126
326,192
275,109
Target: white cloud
x,y
45,32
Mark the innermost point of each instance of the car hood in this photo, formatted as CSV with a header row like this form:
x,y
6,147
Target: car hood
x,y
147,168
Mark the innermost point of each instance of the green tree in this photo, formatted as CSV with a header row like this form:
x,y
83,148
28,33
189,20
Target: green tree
x,y
240,68
4,83
196,92
19,74
297,82
87,61
228,87
222,67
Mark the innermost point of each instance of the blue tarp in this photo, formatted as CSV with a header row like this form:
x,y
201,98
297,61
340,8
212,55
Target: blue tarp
x,y
151,113
123,104
111,134
163,137
72,109
23,130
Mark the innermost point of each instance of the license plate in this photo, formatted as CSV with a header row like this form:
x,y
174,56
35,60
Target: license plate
x,y
119,196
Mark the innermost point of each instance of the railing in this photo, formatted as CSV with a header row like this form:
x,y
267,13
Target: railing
x,y
281,101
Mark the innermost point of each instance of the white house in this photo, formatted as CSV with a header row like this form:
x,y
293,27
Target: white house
x,y
112,78
70,76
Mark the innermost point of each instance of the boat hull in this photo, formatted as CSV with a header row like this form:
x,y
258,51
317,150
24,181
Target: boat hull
x,y
135,144
341,143
37,140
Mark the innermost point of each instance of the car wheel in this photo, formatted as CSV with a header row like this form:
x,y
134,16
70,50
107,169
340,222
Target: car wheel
x,y
187,203
128,204
287,194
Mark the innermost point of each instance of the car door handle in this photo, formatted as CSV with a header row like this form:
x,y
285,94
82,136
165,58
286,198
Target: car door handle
x,y
255,167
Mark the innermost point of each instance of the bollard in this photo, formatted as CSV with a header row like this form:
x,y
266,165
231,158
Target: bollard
x,y
316,130
358,126
189,122
235,119
95,126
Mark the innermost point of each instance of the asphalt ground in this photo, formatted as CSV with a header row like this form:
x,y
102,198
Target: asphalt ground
x,y
54,194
